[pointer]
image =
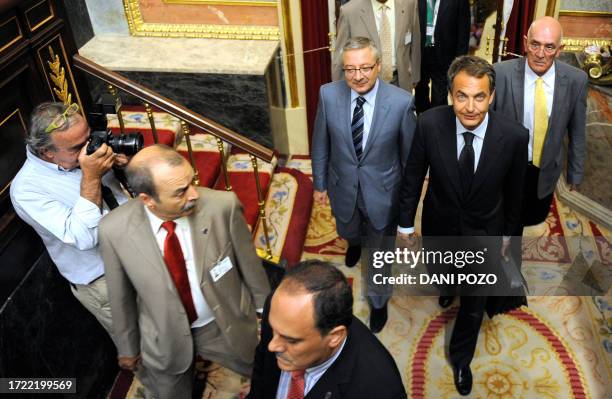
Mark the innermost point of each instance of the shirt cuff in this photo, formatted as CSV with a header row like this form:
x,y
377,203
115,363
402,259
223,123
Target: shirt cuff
x,y
405,230
88,212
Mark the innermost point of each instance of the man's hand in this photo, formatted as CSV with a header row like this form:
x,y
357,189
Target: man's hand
x,y
504,248
320,197
129,362
97,164
121,160
94,166
407,240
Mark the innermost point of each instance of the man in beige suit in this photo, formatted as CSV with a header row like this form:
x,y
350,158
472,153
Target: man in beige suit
x,y
395,20
182,272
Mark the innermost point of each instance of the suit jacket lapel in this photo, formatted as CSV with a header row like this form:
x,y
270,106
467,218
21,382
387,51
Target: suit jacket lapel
x,y
343,106
560,87
381,109
367,16
443,4
143,240
489,154
518,89
447,145
200,224
401,20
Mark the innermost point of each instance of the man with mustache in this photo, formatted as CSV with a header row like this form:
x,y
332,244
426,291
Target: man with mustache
x,y
182,273
313,347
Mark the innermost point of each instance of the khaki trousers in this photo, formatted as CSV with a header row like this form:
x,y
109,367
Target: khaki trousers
x,y
210,345
94,297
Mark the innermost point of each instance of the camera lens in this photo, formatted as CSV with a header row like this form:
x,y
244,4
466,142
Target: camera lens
x,y
128,144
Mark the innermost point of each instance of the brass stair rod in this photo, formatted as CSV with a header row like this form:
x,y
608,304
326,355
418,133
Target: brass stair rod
x,y
262,208
186,133
228,185
113,91
151,122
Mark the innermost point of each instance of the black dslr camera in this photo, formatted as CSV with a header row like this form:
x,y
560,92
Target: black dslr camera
x,y
128,144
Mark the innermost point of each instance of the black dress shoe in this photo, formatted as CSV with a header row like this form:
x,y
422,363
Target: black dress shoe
x,y
353,253
445,301
463,380
378,319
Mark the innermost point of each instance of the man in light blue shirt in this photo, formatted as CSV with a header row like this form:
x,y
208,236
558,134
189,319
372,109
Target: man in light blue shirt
x,y
360,143
58,192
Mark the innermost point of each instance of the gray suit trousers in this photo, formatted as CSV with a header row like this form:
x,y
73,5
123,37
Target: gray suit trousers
x,y
359,231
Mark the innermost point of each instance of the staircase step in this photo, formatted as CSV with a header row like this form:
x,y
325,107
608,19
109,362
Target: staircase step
x,y
242,181
288,207
206,157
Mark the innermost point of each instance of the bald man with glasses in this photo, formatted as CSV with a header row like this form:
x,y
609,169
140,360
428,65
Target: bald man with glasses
x,y
548,97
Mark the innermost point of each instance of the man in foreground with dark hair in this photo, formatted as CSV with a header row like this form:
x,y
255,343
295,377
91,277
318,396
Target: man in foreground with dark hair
x,y
183,276
313,347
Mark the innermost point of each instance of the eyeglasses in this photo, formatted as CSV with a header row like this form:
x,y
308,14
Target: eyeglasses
x,y
60,119
548,48
365,70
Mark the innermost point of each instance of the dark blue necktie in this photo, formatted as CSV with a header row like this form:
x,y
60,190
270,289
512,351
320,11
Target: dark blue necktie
x,y
466,162
357,127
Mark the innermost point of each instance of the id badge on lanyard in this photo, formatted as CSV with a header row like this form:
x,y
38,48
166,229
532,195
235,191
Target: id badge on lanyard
x,y
429,31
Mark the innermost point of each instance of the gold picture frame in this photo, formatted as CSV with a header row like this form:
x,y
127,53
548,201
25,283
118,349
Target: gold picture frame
x,y
138,27
263,3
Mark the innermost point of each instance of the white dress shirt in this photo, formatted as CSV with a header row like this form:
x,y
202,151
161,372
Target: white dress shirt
x,y
368,110
311,376
529,99
479,135
48,198
377,8
183,232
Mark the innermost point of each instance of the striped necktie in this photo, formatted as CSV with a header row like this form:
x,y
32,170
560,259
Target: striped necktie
x,y
357,127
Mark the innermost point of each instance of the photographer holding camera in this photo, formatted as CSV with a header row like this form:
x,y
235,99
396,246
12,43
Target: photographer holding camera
x,y
63,192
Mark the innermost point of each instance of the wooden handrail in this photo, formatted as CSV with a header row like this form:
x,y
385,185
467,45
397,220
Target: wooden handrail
x,y
173,108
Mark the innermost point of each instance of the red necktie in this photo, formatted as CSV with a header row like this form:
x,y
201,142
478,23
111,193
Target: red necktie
x,y
173,256
296,386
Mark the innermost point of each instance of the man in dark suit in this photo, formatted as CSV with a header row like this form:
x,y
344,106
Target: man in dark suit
x,y
563,91
183,276
313,347
361,140
476,161
445,33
